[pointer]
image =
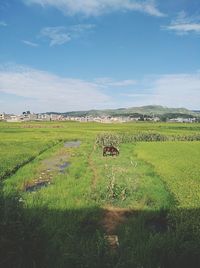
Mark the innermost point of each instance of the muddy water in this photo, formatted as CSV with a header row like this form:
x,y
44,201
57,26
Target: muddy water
x,y
37,186
50,167
56,164
72,144
63,167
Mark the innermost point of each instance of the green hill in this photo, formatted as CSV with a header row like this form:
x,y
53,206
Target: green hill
x,y
150,110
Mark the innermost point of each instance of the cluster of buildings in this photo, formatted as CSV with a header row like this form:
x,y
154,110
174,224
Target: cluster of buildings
x,y
108,119
28,116
183,120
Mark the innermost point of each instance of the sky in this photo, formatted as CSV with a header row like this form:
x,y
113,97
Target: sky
x,y
64,55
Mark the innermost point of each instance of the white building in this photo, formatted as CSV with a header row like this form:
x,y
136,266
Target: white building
x,y
2,116
43,117
12,118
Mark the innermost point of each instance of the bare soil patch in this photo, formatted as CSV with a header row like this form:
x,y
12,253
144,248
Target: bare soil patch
x,y
114,217
111,220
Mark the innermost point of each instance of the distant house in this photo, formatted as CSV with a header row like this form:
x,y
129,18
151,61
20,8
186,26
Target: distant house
x,y
2,116
156,119
11,118
134,118
43,117
33,117
182,120
56,117
28,116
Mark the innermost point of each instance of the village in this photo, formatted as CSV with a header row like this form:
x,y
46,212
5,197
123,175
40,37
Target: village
x,y
28,116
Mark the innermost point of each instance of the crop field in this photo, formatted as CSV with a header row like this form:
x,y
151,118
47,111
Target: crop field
x,y
178,164
64,204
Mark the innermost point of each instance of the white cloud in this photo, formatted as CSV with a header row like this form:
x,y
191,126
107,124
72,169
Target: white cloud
x,y
28,43
47,92
3,23
181,90
109,82
56,35
183,24
137,95
123,83
172,90
99,7
61,35
41,91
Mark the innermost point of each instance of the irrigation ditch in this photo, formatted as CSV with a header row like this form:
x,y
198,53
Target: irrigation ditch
x,y
27,161
51,166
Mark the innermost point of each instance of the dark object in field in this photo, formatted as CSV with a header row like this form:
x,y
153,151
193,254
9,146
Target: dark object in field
x,y
110,150
37,185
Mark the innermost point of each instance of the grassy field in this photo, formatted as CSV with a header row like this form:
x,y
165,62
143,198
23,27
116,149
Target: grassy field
x,y
178,165
139,209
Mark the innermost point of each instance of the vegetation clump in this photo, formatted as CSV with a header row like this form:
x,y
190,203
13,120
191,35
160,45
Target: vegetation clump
x,y
108,139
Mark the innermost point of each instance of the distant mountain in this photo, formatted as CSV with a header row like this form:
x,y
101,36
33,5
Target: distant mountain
x,y
150,110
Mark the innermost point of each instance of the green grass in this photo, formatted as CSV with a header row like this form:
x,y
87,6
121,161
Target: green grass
x,y
61,225
178,165
14,154
126,181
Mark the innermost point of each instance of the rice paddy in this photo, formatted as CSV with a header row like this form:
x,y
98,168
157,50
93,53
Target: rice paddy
x,y
63,204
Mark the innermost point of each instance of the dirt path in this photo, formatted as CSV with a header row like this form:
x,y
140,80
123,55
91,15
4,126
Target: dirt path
x,y
112,218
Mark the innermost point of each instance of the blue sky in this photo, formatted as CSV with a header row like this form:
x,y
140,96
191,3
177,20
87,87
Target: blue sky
x,y
63,55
